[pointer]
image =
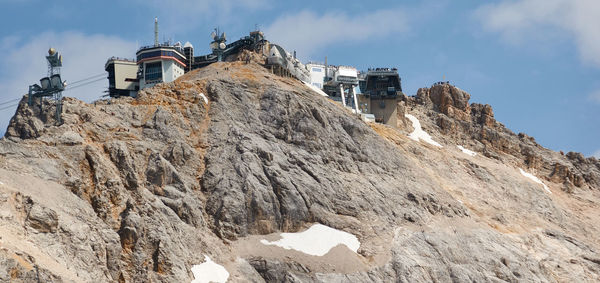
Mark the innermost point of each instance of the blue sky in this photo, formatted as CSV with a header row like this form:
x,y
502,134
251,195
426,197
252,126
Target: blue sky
x,y
537,62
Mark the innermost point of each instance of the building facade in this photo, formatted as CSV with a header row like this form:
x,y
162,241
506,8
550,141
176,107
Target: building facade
x,y
317,74
160,64
122,77
380,90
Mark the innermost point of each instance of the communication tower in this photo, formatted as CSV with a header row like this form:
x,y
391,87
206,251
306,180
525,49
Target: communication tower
x,y
219,43
50,86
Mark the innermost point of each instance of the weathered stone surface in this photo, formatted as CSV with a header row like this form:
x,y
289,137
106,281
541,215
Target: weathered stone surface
x,y
462,124
139,190
41,218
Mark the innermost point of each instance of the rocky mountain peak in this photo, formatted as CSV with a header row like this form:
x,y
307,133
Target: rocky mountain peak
x,y
218,163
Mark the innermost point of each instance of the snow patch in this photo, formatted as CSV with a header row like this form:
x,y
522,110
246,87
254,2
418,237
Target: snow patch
x,y
418,133
316,89
535,179
466,151
209,271
204,97
370,118
316,240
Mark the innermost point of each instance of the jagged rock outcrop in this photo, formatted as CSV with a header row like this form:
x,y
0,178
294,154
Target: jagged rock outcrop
x,y
139,190
461,123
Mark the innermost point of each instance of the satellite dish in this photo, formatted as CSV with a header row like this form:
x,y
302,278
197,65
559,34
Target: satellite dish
x,y
51,51
45,83
222,45
213,45
56,82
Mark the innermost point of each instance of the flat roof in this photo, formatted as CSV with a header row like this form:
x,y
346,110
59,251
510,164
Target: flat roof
x,y
152,48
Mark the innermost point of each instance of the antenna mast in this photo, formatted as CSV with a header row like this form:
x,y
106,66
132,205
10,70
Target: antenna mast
x,y
155,31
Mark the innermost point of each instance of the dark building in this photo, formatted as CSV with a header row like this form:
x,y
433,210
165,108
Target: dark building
x,y
380,89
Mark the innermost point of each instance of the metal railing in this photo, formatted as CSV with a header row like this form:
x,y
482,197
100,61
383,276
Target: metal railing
x,y
114,58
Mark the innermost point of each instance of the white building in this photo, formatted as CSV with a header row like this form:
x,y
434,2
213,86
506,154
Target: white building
x,y
160,64
346,75
317,74
286,64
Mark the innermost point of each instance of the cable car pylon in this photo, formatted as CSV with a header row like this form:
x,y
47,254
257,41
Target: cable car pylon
x,y
50,86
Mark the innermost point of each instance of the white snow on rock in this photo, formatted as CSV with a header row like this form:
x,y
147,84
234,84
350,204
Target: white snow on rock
x,y
316,89
316,240
418,133
209,271
204,97
535,179
466,151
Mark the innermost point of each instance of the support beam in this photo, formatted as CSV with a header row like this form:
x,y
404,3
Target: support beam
x,y
30,96
355,100
343,95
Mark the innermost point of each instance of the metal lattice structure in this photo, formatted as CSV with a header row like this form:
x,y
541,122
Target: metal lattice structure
x,y
50,86
219,44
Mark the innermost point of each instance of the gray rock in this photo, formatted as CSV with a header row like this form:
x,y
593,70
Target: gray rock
x,y
71,138
41,218
147,187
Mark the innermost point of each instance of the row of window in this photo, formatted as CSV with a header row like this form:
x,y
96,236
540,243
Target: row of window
x,y
153,71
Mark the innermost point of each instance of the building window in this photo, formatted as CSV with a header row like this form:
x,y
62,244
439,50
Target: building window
x,y
318,70
153,71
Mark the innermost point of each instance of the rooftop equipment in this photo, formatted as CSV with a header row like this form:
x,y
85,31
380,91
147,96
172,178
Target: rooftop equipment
x,y
155,31
219,43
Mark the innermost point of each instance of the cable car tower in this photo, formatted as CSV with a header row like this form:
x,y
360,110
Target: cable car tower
x,y
50,86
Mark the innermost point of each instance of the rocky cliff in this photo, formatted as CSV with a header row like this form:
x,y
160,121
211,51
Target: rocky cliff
x,y
140,190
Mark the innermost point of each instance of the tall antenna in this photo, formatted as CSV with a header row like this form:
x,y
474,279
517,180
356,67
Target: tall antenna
x,y
155,31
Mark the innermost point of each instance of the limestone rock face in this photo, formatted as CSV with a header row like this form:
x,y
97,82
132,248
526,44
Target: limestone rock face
x,y
447,99
140,190
475,124
41,219
483,115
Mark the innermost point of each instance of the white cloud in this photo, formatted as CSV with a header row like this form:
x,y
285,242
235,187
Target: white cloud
x,y
83,56
308,31
176,16
596,154
595,96
526,19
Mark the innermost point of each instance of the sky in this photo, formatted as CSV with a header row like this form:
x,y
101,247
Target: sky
x,y
537,62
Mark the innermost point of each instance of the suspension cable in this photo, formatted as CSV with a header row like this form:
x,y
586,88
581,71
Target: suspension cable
x,y
88,78
8,107
9,101
84,84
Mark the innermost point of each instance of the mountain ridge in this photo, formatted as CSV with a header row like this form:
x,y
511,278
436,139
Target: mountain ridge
x,y
155,183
